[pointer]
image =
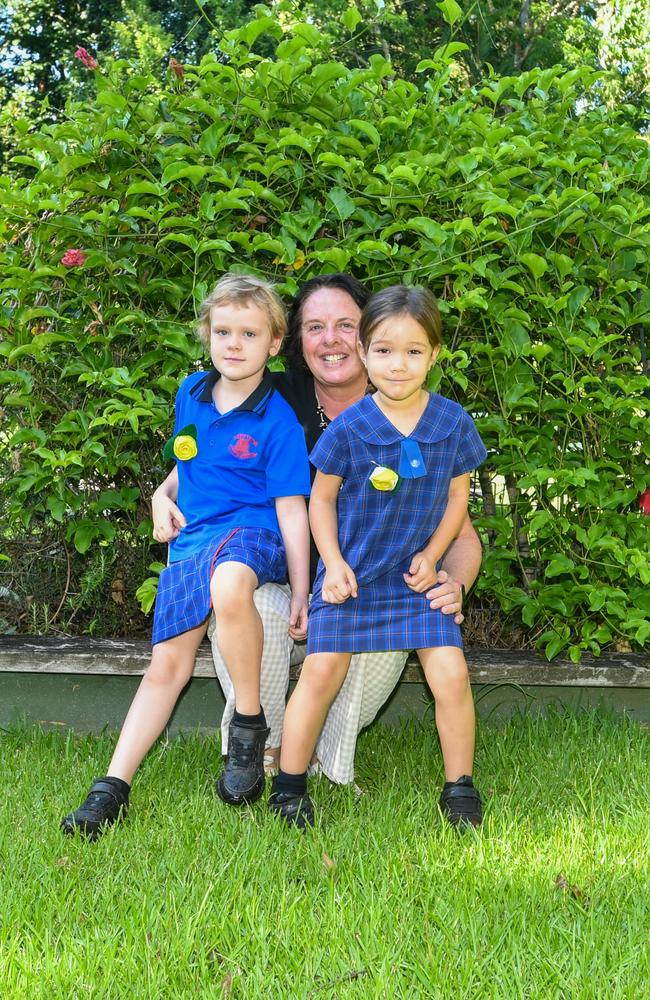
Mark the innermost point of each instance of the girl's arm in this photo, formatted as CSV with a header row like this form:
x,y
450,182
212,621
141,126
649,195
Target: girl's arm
x,y
422,572
340,581
168,519
294,527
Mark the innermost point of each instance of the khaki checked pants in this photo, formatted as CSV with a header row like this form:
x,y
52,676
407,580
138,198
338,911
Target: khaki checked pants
x,y
370,680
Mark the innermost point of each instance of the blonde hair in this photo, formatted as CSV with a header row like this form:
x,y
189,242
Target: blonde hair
x,y
241,290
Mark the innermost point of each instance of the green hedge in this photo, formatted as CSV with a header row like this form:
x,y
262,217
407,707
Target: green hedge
x,y
521,204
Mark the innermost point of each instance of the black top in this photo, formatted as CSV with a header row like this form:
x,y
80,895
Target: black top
x,y
297,387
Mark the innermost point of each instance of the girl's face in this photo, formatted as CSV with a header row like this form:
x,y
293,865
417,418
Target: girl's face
x,y
330,322
398,358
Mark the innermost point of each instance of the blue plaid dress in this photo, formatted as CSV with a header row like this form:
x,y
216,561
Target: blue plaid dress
x,y
379,532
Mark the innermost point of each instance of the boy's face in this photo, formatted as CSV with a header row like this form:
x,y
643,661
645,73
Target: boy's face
x,y
241,341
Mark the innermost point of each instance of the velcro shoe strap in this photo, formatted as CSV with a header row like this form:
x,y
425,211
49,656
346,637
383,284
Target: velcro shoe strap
x,y
109,788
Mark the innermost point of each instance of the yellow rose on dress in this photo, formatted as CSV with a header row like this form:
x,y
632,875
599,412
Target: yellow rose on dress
x,y
384,479
184,447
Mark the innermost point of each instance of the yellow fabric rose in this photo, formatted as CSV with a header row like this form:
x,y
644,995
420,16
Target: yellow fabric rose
x,y
185,447
384,479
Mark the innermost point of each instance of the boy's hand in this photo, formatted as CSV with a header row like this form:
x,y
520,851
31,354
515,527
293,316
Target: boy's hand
x,y
168,519
339,583
422,573
298,617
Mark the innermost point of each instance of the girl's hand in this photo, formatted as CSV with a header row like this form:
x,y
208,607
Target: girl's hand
x,y
168,519
422,573
339,583
298,617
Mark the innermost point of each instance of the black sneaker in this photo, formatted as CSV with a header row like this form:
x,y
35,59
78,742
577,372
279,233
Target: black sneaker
x,y
460,803
295,810
242,780
106,802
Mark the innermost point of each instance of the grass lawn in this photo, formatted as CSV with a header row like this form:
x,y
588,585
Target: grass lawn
x,y
189,898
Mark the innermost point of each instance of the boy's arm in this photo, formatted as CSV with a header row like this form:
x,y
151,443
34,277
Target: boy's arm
x,y
168,519
422,573
340,581
294,527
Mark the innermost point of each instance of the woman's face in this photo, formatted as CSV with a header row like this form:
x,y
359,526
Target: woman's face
x,y
330,321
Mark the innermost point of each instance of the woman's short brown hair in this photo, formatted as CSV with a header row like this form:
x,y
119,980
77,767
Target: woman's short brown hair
x,y
400,300
241,290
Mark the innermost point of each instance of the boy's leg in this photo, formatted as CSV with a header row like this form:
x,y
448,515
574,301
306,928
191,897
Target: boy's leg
x,y
171,667
240,637
272,602
320,680
447,676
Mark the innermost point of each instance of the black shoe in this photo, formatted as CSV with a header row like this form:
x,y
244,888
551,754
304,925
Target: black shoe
x,y
106,802
242,781
295,810
461,803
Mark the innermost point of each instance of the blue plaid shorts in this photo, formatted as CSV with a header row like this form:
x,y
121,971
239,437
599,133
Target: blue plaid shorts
x,y
183,600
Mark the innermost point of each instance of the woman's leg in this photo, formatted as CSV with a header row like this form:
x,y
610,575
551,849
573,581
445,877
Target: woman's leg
x,y
172,664
320,680
446,672
272,602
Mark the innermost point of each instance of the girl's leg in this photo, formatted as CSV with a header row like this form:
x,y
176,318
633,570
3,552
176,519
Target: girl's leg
x,y
320,681
172,664
446,672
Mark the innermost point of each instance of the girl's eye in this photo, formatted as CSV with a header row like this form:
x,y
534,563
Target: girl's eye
x,y
249,333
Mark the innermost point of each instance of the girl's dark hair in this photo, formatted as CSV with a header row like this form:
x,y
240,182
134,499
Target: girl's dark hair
x,y
399,300
343,282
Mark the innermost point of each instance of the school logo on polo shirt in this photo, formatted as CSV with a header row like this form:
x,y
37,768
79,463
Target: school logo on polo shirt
x,y
242,446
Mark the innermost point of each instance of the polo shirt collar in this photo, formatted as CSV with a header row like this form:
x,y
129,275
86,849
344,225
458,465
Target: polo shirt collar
x,y
255,403
436,423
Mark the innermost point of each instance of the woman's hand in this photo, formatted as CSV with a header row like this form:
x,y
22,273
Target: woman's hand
x,y
168,519
422,572
298,617
339,583
447,596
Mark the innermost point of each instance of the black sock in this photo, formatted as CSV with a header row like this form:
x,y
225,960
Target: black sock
x,y
122,786
292,784
249,720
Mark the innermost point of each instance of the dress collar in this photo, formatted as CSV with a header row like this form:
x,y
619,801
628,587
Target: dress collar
x,y
438,421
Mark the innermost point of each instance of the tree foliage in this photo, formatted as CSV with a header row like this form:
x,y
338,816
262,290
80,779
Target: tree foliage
x,y
529,221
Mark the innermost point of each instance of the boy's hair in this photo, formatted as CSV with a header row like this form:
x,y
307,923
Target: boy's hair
x,y
399,300
340,281
242,290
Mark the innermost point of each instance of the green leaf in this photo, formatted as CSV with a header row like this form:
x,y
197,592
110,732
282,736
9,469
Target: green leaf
x,y
367,129
451,11
351,18
341,202
535,264
179,170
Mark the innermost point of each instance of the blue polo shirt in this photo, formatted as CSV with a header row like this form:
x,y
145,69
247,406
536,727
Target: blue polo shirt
x,y
246,458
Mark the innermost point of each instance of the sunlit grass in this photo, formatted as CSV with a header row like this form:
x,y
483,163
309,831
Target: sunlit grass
x,y
189,898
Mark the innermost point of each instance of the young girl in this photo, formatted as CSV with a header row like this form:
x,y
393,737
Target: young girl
x,y
390,495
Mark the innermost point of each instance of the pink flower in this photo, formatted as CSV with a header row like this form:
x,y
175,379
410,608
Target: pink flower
x,y
73,258
85,57
644,501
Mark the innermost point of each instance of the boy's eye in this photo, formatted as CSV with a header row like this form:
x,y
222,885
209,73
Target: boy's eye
x,y
249,333
219,333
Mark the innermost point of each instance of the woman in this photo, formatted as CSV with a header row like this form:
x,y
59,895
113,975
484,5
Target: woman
x,y
324,376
